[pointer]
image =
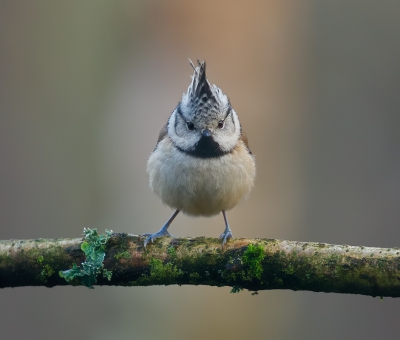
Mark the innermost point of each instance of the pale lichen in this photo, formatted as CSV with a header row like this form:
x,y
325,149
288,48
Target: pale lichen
x,y
94,248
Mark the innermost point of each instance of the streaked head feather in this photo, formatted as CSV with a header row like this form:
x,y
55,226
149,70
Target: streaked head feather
x,y
203,100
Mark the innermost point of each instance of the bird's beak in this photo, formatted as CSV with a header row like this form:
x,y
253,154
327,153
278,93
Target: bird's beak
x,y
206,133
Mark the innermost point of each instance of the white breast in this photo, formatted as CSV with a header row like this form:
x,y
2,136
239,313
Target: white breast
x,y
200,186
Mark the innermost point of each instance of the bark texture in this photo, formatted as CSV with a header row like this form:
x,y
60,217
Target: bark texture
x,y
253,264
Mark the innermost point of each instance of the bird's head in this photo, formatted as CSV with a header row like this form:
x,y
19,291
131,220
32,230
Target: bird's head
x,y
204,123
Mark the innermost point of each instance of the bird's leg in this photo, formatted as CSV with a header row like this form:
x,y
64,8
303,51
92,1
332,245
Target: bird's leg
x,y
162,232
227,234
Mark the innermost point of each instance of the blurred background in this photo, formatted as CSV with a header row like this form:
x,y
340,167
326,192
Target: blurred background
x,y
85,88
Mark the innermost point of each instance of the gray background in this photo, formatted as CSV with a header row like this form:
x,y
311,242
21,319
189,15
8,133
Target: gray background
x,y
85,88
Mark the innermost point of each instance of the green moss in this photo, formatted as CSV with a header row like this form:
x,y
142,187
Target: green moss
x,y
160,273
289,270
245,267
194,277
171,252
252,258
94,248
47,271
123,255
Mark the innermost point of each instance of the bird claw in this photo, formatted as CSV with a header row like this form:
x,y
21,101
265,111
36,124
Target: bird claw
x,y
225,236
152,237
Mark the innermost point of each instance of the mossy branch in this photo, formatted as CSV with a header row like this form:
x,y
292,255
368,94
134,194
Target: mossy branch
x,y
253,264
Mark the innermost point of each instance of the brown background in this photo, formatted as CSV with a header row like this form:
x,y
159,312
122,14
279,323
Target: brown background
x,y
85,88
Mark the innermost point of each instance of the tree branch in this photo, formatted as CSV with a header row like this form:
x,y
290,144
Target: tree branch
x,y
253,264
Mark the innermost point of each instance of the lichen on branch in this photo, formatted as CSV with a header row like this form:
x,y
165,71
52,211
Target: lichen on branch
x,y
94,248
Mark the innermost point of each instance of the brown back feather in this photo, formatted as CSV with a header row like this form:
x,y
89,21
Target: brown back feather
x,y
245,140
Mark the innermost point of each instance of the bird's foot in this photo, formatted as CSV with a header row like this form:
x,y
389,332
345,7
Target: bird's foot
x,y
225,236
152,237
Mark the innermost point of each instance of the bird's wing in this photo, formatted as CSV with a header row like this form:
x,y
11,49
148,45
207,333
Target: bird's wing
x,y
245,140
163,133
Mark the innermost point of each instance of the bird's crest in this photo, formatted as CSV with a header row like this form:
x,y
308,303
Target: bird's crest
x,y
200,88
202,97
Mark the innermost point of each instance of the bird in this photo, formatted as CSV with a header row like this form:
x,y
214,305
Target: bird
x,y
202,164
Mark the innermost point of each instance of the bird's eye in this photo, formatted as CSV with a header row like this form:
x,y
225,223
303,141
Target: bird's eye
x,y
221,124
190,126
